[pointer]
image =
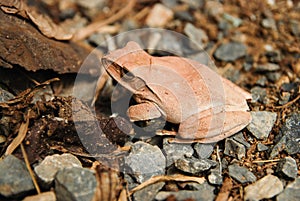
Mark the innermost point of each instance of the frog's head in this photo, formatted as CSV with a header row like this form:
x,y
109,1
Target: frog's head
x,y
123,64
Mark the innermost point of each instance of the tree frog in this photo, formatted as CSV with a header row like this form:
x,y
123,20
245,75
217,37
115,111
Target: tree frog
x,y
207,107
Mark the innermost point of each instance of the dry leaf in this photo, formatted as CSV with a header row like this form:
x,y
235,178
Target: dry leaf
x,y
43,22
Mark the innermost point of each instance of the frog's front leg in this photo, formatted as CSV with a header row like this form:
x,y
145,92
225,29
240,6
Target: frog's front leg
x,y
143,111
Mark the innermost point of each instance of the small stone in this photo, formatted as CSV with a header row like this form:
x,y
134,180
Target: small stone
x,y
284,98
215,176
290,137
230,51
194,165
266,187
184,16
267,67
214,8
288,167
262,147
46,196
5,95
145,161
235,21
239,137
241,174
47,169
295,27
273,76
15,179
262,81
159,16
204,150
206,193
269,23
258,94
75,184
197,35
262,123
175,151
232,74
291,192
148,193
234,149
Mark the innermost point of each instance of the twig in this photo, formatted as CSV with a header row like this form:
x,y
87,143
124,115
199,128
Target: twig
x,y
266,161
160,178
289,103
93,27
38,190
20,137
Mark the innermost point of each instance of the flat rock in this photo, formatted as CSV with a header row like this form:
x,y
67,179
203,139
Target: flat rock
x,y
145,161
215,177
46,196
15,179
288,167
267,187
204,150
230,51
75,184
239,137
159,16
205,193
175,151
262,123
234,149
291,192
241,174
47,169
148,193
194,165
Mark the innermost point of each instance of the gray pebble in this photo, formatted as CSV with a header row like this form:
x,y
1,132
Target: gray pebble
x,y
215,176
269,23
15,179
47,169
204,150
291,192
273,76
75,184
261,147
194,165
148,193
266,187
267,67
234,149
258,94
290,137
230,51
236,22
262,123
145,161
5,95
206,193
241,174
197,35
175,151
239,137
288,167
295,27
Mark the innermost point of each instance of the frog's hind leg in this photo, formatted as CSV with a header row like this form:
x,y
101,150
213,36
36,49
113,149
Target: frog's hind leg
x,y
143,111
213,128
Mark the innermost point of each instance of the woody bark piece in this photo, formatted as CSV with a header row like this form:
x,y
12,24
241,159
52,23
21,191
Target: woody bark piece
x,y
21,44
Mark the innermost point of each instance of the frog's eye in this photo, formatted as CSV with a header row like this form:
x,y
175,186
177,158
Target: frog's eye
x,y
126,75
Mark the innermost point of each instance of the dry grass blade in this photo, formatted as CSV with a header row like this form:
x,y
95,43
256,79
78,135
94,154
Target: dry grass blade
x,y
92,28
225,190
176,177
38,190
20,137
